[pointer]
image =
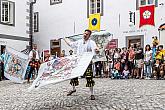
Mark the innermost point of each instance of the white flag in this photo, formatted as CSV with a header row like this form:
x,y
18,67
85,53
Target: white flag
x,y
15,65
62,69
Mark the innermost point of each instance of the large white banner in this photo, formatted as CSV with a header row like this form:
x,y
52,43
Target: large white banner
x,y
15,65
62,69
101,39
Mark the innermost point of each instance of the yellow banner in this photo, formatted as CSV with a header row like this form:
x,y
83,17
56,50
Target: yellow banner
x,y
94,22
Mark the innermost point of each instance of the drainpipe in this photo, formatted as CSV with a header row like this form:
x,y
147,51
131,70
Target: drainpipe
x,y
159,35
32,2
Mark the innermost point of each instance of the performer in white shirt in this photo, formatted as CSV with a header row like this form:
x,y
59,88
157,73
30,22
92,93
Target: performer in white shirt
x,y
31,54
84,45
34,61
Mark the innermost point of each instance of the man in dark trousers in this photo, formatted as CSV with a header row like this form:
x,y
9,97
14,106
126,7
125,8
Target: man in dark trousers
x,y
139,60
84,45
34,61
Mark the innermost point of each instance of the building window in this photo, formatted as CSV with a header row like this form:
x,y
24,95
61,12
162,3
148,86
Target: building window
x,y
7,13
95,6
140,3
98,8
36,22
146,2
92,6
52,2
150,2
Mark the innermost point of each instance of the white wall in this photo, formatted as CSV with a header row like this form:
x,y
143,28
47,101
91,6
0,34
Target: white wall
x,y
20,20
18,45
65,47
20,27
162,38
57,21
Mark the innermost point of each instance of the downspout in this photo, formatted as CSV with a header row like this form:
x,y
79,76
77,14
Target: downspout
x,y
31,24
159,35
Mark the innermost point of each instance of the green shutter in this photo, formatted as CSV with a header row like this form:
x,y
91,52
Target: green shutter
x,y
156,3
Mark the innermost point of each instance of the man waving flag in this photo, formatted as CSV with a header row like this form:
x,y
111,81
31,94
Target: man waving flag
x,y
94,22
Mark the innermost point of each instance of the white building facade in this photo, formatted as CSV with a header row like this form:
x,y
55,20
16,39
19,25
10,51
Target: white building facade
x,y
14,23
62,18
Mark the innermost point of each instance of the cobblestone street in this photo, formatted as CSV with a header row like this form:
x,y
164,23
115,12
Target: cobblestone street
x,y
110,95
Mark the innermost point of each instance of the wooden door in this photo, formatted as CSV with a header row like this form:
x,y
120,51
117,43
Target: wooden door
x,y
56,51
55,47
134,42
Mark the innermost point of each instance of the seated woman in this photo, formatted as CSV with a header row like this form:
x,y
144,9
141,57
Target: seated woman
x,y
126,72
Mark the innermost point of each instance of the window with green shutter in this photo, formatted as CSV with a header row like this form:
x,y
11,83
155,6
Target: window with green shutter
x,y
140,3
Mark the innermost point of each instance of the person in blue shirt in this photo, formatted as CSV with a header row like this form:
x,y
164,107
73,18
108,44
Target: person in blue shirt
x,y
155,42
153,53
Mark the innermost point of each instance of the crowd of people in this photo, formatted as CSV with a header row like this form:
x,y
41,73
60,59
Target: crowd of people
x,y
133,62
121,63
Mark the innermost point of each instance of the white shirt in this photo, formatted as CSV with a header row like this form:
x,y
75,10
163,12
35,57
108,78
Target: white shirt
x,y
31,54
126,72
116,55
148,55
81,46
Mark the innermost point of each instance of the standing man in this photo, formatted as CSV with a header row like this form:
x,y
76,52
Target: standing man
x,y
98,68
84,45
34,61
139,60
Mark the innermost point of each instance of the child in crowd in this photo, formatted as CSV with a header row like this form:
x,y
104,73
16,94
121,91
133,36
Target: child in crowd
x,y
115,72
126,72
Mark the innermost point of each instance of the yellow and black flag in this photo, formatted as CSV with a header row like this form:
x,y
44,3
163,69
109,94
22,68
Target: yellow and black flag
x,y
94,22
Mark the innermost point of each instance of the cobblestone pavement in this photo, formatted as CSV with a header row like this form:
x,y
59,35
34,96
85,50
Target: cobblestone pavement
x,y
110,95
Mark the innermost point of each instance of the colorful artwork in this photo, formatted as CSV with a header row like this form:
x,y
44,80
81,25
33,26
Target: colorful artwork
x,y
62,69
102,42
101,38
15,64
